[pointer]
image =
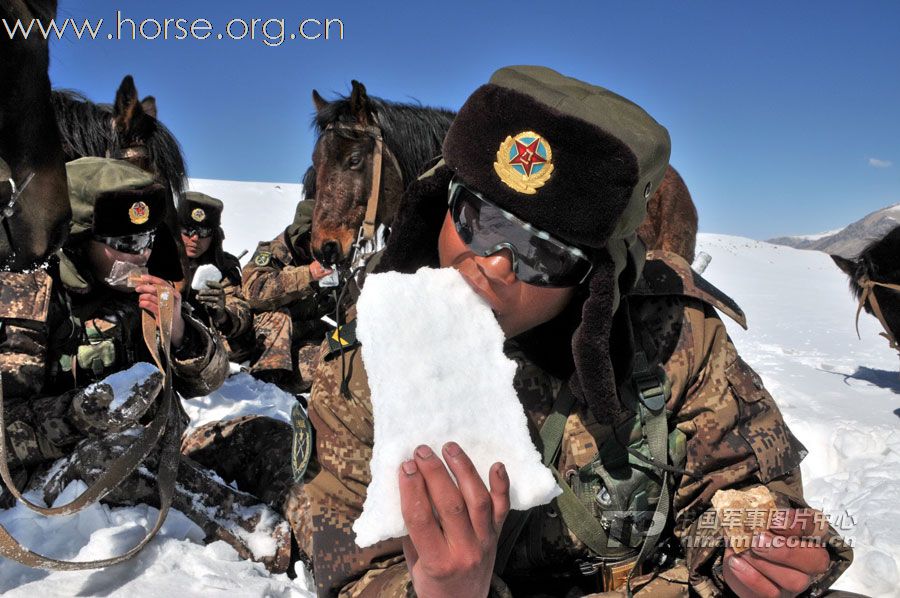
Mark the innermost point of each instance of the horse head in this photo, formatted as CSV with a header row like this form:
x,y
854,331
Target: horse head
x,y
134,123
35,203
874,267
355,172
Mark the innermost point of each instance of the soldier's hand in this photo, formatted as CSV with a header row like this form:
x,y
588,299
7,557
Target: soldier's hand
x,y
213,298
147,299
453,530
783,561
317,271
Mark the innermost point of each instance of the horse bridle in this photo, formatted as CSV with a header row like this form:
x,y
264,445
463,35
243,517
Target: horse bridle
x,y
868,286
366,242
9,205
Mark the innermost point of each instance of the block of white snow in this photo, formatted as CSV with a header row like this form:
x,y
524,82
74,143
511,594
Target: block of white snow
x,y
205,273
433,353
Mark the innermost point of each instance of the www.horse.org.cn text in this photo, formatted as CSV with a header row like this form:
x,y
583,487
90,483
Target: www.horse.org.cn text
x,y
272,32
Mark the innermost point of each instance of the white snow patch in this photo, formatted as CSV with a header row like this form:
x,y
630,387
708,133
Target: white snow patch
x,y
205,273
123,383
427,391
242,394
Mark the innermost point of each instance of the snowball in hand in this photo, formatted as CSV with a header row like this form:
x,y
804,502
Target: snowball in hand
x,y
434,358
205,273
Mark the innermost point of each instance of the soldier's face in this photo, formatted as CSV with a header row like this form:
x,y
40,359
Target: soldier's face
x,y
101,258
195,245
517,306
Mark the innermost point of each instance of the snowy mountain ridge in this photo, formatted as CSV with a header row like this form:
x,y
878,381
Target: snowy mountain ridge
x,y
852,239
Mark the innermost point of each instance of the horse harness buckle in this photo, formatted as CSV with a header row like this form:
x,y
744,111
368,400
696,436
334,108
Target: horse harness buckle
x,y
15,193
613,575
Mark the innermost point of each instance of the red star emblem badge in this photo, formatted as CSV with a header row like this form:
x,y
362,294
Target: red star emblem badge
x,y
527,156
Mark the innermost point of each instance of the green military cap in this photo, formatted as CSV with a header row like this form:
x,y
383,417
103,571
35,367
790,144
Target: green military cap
x,y
573,159
199,209
112,198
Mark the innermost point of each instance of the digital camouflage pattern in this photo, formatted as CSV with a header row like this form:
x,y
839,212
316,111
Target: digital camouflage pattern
x,y
288,306
735,437
51,357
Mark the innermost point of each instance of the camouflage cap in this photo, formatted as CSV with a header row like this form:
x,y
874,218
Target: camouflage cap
x,y
573,159
113,198
199,209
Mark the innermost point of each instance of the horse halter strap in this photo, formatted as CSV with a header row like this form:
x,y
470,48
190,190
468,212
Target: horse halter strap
x,y
868,294
367,230
14,195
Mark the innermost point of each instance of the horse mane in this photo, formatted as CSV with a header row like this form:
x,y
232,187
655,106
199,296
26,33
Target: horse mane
x,y
86,130
877,262
414,133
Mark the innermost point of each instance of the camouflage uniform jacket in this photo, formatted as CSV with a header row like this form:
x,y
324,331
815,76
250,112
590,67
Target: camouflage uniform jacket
x,y
278,276
60,334
735,437
240,317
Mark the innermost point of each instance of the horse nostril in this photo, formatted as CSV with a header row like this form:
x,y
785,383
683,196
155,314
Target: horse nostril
x,y
331,252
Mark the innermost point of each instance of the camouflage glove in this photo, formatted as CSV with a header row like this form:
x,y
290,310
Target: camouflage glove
x,y
213,298
116,402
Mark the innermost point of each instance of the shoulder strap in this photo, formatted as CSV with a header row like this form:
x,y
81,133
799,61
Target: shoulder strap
x,y
121,467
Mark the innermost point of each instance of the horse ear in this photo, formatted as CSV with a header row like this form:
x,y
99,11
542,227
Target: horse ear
x,y
318,101
359,103
848,267
149,106
127,109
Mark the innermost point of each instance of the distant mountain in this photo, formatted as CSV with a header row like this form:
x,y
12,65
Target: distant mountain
x,y
851,239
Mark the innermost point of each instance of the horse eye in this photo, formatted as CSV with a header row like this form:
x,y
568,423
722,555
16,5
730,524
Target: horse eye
x,y
355,160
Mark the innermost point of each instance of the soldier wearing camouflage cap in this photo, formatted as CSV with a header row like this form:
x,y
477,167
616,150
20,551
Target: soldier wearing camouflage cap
x,y
543,183
200,222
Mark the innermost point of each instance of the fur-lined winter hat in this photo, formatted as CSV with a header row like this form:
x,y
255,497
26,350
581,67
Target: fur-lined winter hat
x,y
112,198
572,159
199,210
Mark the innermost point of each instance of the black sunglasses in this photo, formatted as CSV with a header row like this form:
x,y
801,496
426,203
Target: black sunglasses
x,y
203,232
538,258
134,244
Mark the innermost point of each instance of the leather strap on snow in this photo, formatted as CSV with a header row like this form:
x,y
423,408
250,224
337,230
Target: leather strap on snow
x,y
121,467
868,294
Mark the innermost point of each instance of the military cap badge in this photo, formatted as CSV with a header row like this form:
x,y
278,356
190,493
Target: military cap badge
x,y
524,162
262,258
139,212
198,215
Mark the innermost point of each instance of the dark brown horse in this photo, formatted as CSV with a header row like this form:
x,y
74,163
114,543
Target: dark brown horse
x,y
127,129
671,221
875,281
34,203
346,160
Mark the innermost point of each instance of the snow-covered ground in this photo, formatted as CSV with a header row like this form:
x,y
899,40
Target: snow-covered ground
x,y
839,395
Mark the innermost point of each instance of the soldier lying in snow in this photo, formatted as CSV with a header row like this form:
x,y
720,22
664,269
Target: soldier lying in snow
x,y
80,321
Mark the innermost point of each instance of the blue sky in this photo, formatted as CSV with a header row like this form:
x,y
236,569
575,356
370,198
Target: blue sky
x,y
785,117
